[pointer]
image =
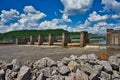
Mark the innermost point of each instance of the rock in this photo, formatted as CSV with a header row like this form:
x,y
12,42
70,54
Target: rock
x,y
9,66
3,65
14,74
105,76
29,64
50,62
44,62
16,65
106,66
91,72
103,56
46,72
88,70
54,72
73,57
65,60
56,77
2,74
83,57
64,70
115,67
98,67
60,63
91,56
113,60
67,77
80,75
115,75
94,76
92,62
41,77
24,73
8,74
72,65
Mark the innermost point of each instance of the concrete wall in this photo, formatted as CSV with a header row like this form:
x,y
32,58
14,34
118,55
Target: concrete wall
x,y
113,37
65,39
84,38
22,40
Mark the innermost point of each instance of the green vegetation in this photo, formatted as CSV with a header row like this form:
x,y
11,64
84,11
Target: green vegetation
x,y
28,33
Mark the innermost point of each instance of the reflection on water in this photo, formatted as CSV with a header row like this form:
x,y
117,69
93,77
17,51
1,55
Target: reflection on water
x,y
99,42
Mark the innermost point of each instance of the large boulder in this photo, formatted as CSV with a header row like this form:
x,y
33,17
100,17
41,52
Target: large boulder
x,y
80,75
8,74
105,76
2,74
115,75
41,77
103,56
73,57
44,62
72,65
91,56
83,57
24,73
64,70
46,72
106,66
16,65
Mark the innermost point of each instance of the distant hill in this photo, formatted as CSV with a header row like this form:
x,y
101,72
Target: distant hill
x,y
28,33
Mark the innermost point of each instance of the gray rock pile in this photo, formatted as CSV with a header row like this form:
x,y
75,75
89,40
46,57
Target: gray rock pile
x,y
85,67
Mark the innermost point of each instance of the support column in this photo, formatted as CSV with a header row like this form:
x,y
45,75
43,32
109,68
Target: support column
x,y
84,40
109,39
52,39
32,40
41,39
65,39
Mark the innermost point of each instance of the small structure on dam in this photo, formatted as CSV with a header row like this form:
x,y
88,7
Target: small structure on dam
x,y
113,37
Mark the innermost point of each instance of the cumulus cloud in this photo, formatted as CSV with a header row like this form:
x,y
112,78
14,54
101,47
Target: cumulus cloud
x,y
72,7
31,18
96,17
9,15
27,20
65,18
113,5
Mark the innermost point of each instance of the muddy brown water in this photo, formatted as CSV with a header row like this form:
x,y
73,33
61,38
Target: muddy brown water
x,y
34,53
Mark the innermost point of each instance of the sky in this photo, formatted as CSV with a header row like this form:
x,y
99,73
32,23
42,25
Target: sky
x,y
94,16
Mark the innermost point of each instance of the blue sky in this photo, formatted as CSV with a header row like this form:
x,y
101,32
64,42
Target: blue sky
x,y
94,16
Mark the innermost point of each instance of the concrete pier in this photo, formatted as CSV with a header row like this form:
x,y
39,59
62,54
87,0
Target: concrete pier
x,y
65,39
113,37
51,39
84,38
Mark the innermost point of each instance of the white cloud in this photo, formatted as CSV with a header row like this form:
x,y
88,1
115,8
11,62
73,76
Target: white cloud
x,y
72,7
29,9
9,15
115,16
96,17
111,5
65,18
28,20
